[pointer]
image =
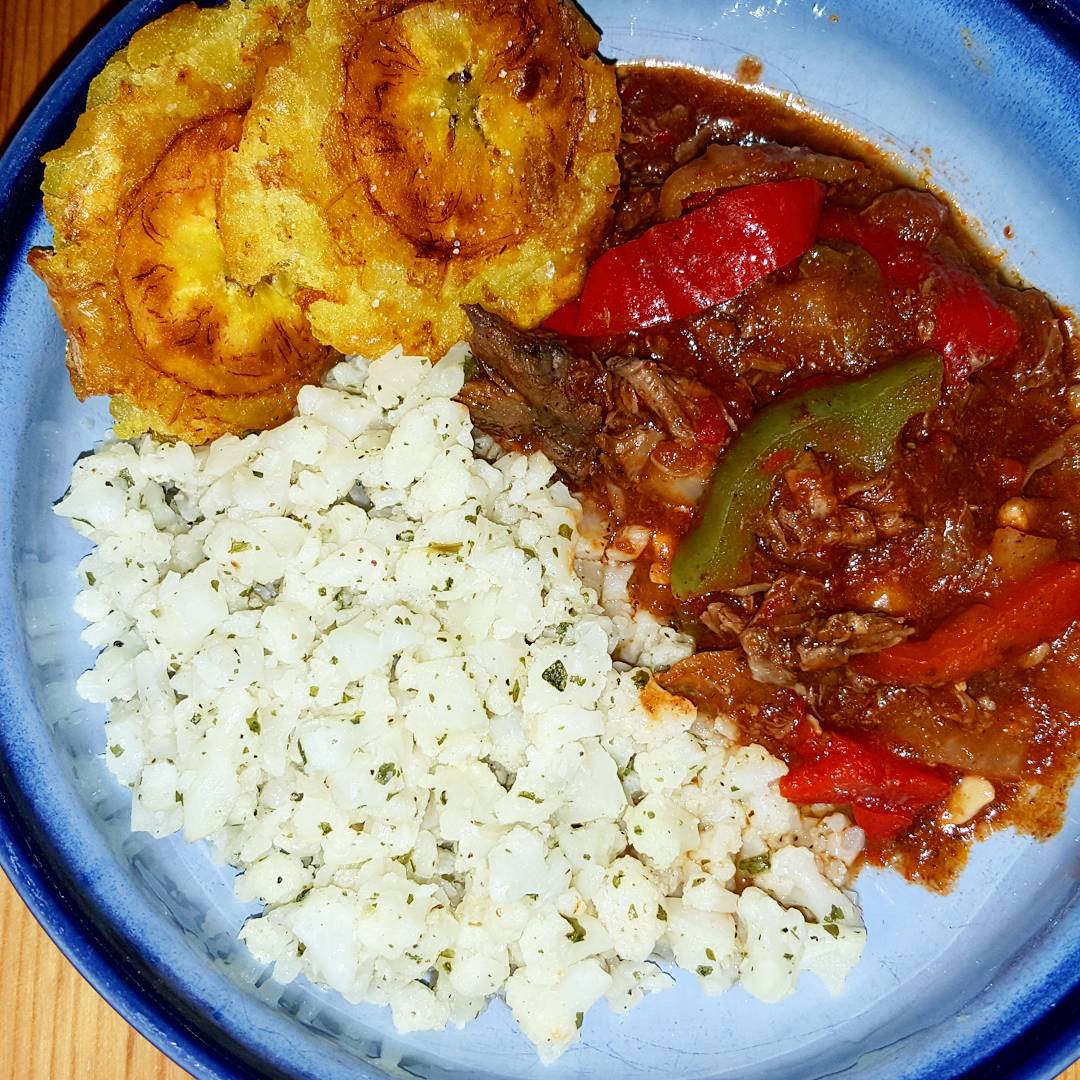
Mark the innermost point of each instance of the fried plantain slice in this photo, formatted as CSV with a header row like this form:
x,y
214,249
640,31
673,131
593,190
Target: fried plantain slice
x,y
138,274
404,157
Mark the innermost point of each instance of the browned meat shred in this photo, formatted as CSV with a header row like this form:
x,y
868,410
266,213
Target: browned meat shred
x,y
563,393
721,685
808,518
788,630
780,655
829,641
627,418
497,410
726,617
656,392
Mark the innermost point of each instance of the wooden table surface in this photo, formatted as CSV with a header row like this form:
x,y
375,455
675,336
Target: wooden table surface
x,y
55,1027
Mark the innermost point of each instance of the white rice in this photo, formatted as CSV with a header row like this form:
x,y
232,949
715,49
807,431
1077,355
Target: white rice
x,y
355,657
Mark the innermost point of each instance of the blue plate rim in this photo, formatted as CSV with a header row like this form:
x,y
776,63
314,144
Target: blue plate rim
x,y
1048,1045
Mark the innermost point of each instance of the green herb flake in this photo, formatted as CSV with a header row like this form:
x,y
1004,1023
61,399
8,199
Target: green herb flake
x,y
758,864
832,928
640,679
531,796
565,531
237,546
835,914
387,771
704,970
556,675
577,931
579,1019
253,724
326,827
116,751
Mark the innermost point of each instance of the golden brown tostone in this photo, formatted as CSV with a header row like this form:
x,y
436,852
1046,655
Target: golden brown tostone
x,y
402,159
138,274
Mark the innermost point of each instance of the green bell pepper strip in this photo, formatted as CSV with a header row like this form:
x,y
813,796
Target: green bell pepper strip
x,y
856,422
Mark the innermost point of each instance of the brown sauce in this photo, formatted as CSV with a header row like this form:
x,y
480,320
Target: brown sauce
x,y
748,70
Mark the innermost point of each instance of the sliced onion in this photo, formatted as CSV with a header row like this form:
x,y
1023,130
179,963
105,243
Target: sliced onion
x,y
728,166
1054,452
987,750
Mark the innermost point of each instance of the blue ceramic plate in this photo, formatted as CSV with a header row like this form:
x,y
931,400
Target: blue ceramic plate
x,y
985,980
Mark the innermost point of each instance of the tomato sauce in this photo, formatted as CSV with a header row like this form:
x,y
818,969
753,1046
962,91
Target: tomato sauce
x,y
939,535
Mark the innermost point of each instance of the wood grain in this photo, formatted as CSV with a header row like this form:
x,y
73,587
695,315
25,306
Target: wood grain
x,y
35,35
55,1027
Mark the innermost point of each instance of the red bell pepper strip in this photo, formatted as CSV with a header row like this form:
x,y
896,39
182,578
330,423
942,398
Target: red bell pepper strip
x,y
1014,620
884,790
847,770
969,326
878,823
710,254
